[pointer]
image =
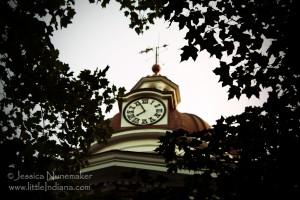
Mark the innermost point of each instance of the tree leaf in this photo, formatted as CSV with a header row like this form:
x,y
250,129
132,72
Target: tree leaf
x,y
189,51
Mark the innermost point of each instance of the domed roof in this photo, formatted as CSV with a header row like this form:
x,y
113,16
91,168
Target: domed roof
x,y
177,120
187,121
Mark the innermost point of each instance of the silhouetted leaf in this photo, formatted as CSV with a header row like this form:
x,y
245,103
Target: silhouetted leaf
x,y
189,51
234,91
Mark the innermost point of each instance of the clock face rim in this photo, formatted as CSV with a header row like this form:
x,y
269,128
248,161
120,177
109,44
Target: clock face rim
x,y
151,123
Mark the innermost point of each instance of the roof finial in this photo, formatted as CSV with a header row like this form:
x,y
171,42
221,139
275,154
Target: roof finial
x,y
156,54
156,66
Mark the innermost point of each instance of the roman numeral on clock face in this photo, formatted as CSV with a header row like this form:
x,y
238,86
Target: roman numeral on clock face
x,y
145,101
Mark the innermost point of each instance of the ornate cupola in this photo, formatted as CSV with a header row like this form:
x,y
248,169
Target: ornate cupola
x,y
146,112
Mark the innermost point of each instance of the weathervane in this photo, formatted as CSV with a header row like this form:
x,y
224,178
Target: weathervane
x,y
155,67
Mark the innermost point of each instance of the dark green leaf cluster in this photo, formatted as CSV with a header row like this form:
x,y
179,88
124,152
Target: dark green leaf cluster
x,y
249,156
255,42
257,36
178,155
211,159
141,13
48,117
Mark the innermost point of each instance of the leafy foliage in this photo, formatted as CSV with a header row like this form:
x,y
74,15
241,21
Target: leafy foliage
x,y
141,13
257,36
255,42
48,116
248,156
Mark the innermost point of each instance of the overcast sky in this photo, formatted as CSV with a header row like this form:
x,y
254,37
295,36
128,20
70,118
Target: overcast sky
x,y
100,37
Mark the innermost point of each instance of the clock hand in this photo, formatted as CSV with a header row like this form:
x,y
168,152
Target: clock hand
x,y
142,108
141,113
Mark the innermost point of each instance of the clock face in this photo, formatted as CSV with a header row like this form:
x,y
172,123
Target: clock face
x,y
144,111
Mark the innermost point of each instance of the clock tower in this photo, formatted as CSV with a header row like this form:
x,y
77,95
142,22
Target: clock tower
x,y
146,112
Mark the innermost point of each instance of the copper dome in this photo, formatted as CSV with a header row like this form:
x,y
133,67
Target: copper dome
x,y
187,121
177,120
